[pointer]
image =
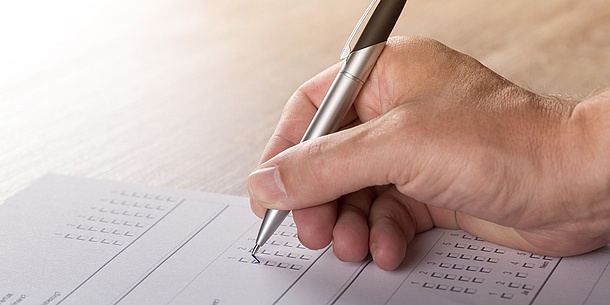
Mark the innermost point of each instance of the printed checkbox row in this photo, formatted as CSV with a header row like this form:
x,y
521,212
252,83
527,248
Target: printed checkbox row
x,y
117,221
492,260
289,224
470,237
287,244
449,288
480,248
283,265
286,234
136,204
106,230
465,267
270,263
454,277
94,239
126,213
522,286
475,257
544,257
148,196
286,254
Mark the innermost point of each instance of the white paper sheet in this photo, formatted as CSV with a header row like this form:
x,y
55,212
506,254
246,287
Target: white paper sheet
x,y
67,240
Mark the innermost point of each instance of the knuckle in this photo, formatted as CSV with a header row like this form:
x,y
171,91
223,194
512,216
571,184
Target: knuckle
x,y
315,163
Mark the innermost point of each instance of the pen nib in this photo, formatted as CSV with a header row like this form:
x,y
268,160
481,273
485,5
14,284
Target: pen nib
x,y
254,251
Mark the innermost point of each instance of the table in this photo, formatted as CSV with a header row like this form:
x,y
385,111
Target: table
x,y
185,93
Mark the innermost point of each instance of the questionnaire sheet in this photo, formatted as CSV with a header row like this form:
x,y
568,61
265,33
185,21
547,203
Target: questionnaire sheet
x,y
69,240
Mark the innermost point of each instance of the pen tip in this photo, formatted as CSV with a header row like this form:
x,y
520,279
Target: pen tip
x,y
255,249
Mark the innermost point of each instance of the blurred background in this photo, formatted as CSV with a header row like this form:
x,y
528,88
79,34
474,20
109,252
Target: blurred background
x,y
185,93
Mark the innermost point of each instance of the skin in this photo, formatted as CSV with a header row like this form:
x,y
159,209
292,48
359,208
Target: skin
x,y
437,139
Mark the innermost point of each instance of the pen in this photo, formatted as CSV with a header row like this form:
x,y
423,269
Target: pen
x,y
356,68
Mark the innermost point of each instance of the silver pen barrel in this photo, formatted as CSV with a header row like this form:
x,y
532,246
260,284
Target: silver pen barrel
x,y
343,91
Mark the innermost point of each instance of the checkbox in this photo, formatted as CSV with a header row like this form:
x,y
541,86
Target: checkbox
x,y
464,278
442,287
450,276
458,267
296,267
456,289
478,280
507,296
283,265
470,291
528,265
514,285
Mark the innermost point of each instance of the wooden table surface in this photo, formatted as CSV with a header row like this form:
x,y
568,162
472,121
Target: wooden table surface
x,y
185,93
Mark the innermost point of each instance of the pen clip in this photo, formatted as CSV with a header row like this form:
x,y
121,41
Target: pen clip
x,y
358,29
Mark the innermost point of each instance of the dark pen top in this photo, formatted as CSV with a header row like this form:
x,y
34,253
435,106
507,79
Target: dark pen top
x,y
380,24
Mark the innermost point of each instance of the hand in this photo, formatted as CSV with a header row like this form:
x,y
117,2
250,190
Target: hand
x,y
437,139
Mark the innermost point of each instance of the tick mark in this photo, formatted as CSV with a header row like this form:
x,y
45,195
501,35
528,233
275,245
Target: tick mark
x,y
256,259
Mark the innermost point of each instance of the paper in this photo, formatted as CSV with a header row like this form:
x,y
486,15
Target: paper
x,y
67,240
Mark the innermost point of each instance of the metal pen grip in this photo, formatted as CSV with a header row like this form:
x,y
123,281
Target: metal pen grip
x,y
343,91
334,107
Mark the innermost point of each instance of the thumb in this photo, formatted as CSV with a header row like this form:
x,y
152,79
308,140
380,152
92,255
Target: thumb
x,y
323,169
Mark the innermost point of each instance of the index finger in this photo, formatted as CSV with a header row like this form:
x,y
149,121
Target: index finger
x,y
299,111
296,117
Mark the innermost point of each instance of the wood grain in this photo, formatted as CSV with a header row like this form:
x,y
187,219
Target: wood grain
x,y
185,93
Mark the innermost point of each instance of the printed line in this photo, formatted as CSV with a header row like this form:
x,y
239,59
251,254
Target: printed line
x,y
351,280
212,261
168,256
545,281
415,267
596,282
302,274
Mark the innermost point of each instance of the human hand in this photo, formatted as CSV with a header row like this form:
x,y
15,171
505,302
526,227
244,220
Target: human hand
x,y
437,139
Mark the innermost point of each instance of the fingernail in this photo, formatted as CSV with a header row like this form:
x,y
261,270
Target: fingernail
x,y
265,185
373,250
